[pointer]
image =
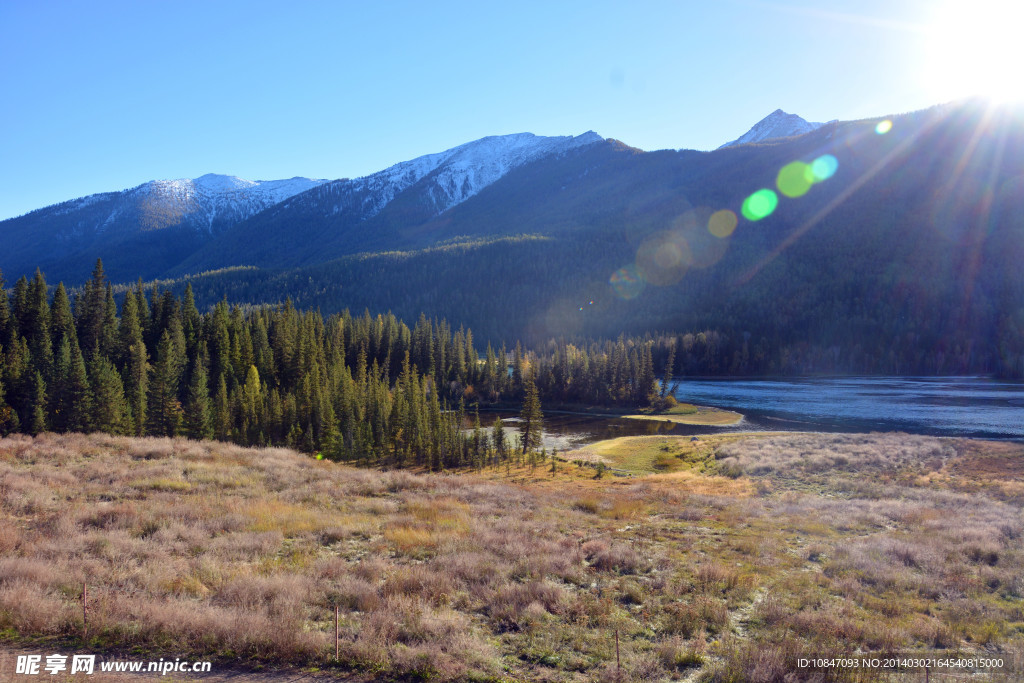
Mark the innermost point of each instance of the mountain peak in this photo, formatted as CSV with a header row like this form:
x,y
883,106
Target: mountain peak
x,y
215,182
778,124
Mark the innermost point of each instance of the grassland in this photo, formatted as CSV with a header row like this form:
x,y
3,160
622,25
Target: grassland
x,y
723,559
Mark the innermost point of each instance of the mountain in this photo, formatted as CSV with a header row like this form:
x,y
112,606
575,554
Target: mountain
x,y
181,226
380,211
853,248
778,124
899,253
140,231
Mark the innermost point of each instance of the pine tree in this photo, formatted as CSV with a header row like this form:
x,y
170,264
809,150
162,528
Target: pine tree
x,y
9,422
669,368
109,408
164,409
37,425
198,420
35,324
62,322
531,416
498,437
92,310
79,415
136,381
222,411
6,324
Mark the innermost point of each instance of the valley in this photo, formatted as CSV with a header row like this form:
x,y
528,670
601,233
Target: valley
x,y
531,408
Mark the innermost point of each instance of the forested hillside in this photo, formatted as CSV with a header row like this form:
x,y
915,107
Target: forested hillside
x,y
366,388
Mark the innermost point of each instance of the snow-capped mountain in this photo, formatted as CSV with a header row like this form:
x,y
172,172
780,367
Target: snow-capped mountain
x,y
150,228
209,202
778,124
387,209
453,176
205,204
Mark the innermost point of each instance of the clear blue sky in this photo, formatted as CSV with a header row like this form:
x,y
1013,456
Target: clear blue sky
x,y
100,96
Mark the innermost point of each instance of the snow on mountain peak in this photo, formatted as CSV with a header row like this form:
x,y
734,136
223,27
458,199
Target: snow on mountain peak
x,y
212,198
475,165
457,173
214,182
778,124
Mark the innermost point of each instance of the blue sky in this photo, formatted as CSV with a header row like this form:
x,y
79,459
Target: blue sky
x,y
100,96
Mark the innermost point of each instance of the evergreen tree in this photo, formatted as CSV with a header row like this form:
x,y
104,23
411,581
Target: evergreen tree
x,y
37,425
61,319
163,406
6,324
110,412
669,370
78,393
19,309
198,420
92,310
498,437
531,416
137,386
9,422
222,411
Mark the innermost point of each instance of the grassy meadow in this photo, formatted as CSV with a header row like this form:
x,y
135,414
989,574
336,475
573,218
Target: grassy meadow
x,y
723,559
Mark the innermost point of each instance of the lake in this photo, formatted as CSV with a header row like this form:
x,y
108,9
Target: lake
x,y
943,406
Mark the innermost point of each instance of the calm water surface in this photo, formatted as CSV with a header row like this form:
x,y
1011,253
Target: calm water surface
x,y
944,406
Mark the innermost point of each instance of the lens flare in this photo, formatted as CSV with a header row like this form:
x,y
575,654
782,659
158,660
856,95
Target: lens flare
x,y
795,179
626,282
722,223
824,167
883,127
663,258
760,205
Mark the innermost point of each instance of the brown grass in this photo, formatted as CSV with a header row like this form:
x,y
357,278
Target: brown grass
x,y
817,544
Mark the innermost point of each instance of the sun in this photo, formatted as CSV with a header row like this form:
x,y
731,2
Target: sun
x,y
975,49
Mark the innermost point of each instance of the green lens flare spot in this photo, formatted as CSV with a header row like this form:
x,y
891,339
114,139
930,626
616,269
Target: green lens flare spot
x,y
760,205
722,223
883,127
795,179
824,167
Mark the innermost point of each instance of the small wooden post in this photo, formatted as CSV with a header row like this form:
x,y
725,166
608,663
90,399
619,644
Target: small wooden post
x,y
618,663
85,611
336,631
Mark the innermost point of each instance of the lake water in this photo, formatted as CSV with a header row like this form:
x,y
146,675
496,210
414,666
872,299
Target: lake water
x,y
944,406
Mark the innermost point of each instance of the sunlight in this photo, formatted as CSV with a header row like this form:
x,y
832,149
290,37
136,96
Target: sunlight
x,y
975,49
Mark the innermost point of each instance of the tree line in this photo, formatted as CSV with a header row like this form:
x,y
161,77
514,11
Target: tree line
x,y
356,388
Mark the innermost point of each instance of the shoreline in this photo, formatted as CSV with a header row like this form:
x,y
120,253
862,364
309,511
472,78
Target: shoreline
x,y
705,416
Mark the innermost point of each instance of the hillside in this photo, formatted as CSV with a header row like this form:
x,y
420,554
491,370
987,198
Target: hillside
x,y
209,550
902,262
900,257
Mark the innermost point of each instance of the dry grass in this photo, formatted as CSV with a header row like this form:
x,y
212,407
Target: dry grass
x,y
815,544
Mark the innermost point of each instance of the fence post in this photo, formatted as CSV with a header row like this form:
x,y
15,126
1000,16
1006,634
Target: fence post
x,y
336,613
